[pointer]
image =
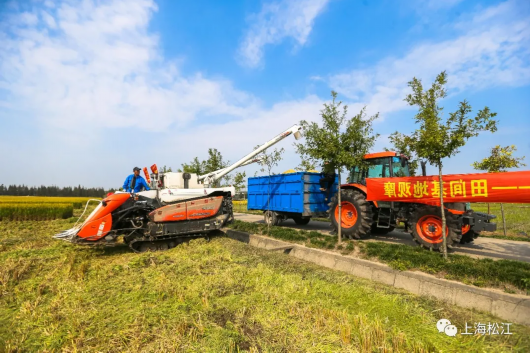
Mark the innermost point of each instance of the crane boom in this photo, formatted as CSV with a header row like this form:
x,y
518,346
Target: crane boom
x,y
216,175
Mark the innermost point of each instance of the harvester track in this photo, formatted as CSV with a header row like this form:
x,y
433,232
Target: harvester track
x,y
142,245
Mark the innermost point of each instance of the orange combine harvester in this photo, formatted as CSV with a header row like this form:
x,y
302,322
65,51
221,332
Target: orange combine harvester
x,y
179,206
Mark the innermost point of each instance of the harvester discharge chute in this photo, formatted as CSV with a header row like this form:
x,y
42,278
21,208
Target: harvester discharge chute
x,y
178,207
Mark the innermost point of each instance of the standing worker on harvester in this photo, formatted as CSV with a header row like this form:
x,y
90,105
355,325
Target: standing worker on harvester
x,y
135,182
328,177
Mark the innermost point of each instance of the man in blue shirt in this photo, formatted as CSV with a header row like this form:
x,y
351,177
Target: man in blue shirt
x,y
135,182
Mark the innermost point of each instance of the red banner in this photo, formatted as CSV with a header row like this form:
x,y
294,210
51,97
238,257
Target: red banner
x,y
509,187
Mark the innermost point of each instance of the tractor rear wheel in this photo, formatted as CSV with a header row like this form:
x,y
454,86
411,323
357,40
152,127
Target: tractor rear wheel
x,y
356,214
426,228
301,221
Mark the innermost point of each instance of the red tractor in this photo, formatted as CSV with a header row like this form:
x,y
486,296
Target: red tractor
x,y
360,217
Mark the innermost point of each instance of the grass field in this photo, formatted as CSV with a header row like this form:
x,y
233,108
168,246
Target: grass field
x,y
510,276
517,218
218,296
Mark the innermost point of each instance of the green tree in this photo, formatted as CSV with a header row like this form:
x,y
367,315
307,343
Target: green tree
x,y
268,161
340,140
166,169
239,180
195,167
438,137
305,165
402,144
500,160
214,162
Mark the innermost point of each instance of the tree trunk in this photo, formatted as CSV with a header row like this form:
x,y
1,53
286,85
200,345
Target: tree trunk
x,y
340,213
444,235
269,204
503,220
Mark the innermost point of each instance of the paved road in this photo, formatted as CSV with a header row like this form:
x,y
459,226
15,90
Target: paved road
x,y
481,247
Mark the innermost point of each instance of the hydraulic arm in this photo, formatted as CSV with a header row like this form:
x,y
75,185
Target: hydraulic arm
x,y
213,176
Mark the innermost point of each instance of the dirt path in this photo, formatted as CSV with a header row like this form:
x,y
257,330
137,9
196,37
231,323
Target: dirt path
x,y
481,247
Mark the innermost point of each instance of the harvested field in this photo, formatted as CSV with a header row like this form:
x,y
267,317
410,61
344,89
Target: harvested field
x,y
212,296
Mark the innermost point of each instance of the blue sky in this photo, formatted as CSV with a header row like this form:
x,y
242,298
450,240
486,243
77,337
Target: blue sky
x,y
89,89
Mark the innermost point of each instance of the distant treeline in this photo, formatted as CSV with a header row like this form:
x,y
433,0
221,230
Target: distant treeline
x,y
23,190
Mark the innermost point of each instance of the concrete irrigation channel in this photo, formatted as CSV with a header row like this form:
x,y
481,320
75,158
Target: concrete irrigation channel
x,y
512,307
482,247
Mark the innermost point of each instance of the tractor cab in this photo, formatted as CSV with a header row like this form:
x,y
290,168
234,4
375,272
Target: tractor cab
x,y
381,165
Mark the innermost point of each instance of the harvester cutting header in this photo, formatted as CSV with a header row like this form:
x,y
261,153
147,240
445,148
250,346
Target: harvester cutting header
x,y
178,206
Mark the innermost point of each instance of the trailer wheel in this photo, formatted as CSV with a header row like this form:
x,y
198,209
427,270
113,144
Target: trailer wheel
x,y
426,227
356,214
301,221
271,218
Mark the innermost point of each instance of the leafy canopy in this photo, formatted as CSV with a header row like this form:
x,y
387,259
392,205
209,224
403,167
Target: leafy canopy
x,y
214,162
305,165
195,166
500,159
239,180
269,160
403,144
340,140
437,139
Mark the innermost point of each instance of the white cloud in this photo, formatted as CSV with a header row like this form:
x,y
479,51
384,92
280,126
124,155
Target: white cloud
x,y
92,64
275,22
85,84
49,20
492,50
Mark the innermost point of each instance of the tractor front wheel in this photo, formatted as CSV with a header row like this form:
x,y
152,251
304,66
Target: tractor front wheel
x,y
468,234
426,228
356,217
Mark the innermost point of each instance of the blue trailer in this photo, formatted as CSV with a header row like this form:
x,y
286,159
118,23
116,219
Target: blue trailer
x,y
294,195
